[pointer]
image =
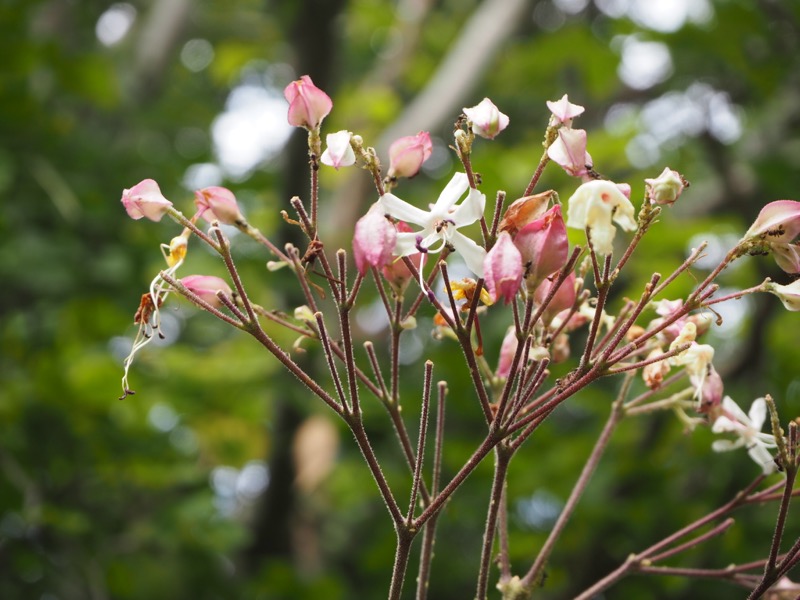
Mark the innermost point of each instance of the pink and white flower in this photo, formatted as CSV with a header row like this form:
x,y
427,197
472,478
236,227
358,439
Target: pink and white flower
x,y
487,120
339,152
145,200
597,205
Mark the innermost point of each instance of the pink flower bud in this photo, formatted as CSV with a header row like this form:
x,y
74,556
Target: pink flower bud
x,y
206,287
778,221
564,111
709,395
569,151
308,104
374,240
407,154
563,299
502,269
777,225
487,120
666,188
507,351
145,200
339,152
543,245
218,204
396,272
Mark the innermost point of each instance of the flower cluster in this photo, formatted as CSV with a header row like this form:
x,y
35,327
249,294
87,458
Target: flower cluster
x,y
527,275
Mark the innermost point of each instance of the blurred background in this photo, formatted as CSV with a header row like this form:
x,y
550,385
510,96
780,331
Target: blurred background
x,y
221,478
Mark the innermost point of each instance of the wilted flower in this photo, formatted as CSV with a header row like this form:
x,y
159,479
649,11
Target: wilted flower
x,y
374,239
595,204
502,269
569,152
339,152
564,111
218,203
543,245
788,294
487,120
666,188
206,287
654,373
441,223
525,210
145,200
308,104
407,154
777,226
747,428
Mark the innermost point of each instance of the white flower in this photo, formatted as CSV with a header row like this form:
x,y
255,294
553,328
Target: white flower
x,y
748,429
339,153
595,204
441,223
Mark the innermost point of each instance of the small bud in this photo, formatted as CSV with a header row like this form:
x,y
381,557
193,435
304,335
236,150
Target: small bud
x,y
487,120
145,200
709,395
339,152
218,204
563,299
666,188
308,105
569,152
564,111
407,154
408,323
507,351
374,240
502,269
206,287
788,294
544,246
305,314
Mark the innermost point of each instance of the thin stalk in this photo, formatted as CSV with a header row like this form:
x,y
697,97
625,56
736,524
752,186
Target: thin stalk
x,y
423,430
535,573
502,459
538,172
326,347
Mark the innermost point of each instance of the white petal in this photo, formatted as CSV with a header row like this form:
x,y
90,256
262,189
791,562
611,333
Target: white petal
x,y
452,192
472,253
471,209
730,406
601,230
723,424
763,458
406,243
400,209
576,211
758,413
725,445
624,214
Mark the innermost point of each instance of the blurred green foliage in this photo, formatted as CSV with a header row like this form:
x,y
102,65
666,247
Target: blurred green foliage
x,y
107,499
